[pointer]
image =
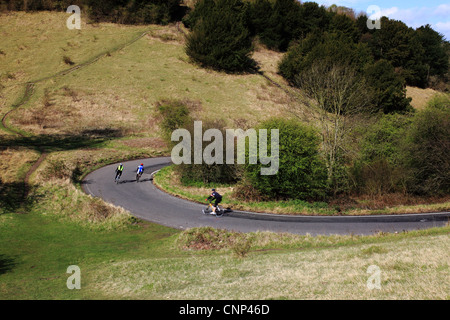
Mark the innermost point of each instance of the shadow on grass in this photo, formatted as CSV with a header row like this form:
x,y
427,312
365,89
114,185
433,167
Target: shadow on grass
x,y
16,196
62,142
6,264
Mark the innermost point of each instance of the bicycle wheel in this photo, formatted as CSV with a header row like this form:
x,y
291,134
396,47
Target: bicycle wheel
x,y
207,210
219,211
137,177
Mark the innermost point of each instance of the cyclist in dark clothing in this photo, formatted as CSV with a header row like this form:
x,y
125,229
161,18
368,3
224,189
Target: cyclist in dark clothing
x,y
215,196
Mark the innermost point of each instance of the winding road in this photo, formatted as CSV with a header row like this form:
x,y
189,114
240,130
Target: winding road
x,y
149,203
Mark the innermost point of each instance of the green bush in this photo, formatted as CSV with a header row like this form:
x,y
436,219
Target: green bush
x,y
385,139
278,23
302,173
174,114
387,87
429,148
406,153
401,46
380,165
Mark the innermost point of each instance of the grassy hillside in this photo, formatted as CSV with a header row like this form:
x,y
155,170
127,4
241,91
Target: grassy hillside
x,y
91,101
121,88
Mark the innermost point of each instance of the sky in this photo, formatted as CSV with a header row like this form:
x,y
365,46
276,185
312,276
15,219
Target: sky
x,y
413,13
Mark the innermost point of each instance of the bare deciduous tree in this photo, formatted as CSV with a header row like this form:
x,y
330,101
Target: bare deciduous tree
x,y
336,95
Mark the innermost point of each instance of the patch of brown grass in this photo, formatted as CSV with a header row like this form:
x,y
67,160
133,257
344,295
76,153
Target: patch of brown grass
x,y
207,238
385,201
420,97
14,163
268,60
168,34
154,143
72,111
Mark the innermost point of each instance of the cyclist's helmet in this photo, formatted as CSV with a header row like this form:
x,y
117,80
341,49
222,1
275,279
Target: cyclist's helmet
x,y
142,164
213,189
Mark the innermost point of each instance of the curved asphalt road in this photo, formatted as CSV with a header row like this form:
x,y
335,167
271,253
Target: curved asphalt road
x,y
147,202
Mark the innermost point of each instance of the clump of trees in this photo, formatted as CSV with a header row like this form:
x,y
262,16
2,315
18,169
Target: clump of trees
x,y
406,153
387,87
419,57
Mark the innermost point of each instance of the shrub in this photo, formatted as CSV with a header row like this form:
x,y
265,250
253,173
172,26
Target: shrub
x,y
429,148
68,60
279,23
385,139
329,48
174,114
380,166
302,173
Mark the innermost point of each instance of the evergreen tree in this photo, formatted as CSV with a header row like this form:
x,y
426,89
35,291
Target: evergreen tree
x,y
282,25
435,55
344,25
388,87
221,38
399,44
325,47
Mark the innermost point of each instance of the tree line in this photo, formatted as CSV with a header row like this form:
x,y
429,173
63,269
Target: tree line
x,y
115,11
223,32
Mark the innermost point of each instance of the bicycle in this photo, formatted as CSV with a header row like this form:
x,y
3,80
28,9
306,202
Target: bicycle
x,y
138,176
117,178
209,210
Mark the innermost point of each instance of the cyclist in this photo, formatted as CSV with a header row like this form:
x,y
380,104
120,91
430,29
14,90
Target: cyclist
x,y
140,171
215,196
119,171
